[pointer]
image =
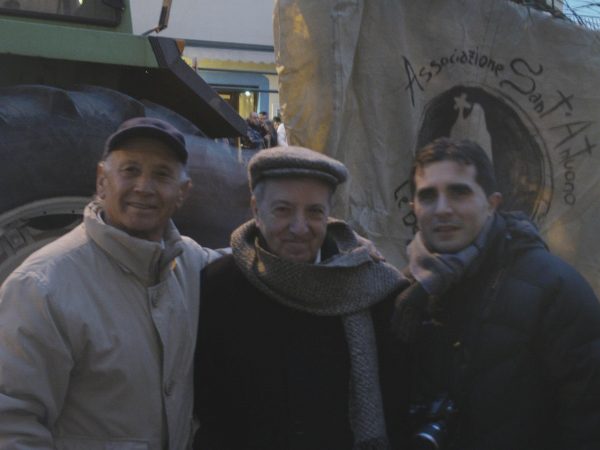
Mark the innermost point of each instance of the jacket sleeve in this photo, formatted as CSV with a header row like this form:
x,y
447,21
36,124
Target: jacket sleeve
x,y
35,363
206,255
570,347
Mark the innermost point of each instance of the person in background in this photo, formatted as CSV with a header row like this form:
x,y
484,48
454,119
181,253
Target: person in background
x,y
505,336
280,128
295,349
98,327
254,138
270,135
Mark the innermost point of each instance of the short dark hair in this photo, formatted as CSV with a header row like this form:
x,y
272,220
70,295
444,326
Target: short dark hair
x,y
461,151
277,119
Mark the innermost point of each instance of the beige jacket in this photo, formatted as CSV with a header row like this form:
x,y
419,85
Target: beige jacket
x,y
97,335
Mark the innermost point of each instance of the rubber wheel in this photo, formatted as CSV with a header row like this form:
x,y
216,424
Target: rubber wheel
x,y
50,142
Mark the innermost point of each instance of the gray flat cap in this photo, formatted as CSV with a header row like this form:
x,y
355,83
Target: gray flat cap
x,y
283,162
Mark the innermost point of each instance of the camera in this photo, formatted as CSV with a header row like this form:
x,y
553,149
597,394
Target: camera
x,y
435,420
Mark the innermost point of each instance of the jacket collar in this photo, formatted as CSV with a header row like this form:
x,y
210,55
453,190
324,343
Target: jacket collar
x,y
147,260
512,233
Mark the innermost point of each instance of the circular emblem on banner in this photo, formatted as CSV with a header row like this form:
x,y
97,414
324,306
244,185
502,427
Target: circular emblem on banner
x,y
508,136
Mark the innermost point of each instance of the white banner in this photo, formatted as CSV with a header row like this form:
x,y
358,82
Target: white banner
x,y
369,82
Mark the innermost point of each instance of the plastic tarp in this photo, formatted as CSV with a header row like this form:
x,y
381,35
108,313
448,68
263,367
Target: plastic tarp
x,y
368,82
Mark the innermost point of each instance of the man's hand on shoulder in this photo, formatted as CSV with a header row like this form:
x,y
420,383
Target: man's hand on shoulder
x,y
375,254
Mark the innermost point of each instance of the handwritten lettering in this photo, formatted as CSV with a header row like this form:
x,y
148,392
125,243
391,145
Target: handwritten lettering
x,y
522,80
412,80
472,57
525,82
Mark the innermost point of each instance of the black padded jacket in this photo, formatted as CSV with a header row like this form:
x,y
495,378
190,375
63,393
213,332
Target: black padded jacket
x,y
516,346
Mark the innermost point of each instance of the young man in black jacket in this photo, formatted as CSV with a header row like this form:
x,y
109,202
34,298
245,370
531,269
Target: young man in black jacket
x,y
505,335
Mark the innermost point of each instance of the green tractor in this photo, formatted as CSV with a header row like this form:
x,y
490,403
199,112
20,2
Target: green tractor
x,y
70,72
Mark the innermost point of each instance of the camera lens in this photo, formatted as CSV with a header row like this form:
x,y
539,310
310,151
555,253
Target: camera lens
x,y
429,437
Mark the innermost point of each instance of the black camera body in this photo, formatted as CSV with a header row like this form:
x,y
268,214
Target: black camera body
x,y
434,421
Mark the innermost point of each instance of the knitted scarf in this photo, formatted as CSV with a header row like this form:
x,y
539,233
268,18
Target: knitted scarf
x,y
345,285
434,273
438,271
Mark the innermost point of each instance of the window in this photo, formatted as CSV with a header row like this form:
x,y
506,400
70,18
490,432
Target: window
x,y
102,12
244,102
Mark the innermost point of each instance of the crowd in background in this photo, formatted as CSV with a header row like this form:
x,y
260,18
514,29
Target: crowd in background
x,y
264,133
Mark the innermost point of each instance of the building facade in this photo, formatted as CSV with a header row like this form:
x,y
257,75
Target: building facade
x,y
229,43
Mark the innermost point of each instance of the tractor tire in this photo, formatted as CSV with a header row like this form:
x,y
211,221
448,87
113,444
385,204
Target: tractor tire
x,y
50,142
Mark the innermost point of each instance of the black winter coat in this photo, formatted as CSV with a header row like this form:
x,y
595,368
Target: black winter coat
x,y
272,378
516,346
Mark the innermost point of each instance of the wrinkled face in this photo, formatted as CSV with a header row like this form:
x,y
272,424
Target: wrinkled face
x,y
450,206
291,215
141,184
254,118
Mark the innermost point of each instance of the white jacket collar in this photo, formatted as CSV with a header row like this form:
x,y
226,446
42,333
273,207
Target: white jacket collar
x,y
147,260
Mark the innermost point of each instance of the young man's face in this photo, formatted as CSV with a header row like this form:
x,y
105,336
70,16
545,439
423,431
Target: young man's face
x,y
291,215
450,206
141,184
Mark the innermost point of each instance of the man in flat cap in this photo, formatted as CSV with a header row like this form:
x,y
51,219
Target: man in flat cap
x,y
294,350
97,329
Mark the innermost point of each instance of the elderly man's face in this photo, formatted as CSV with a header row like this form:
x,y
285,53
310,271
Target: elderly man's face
x,y
254,118
141,184
291,215
450,206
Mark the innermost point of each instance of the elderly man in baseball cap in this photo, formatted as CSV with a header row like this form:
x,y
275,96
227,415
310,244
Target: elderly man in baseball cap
x,y
98,327
292,321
